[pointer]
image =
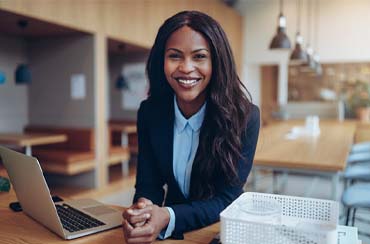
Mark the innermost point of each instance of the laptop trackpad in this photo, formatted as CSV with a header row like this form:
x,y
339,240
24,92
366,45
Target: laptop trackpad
x,y
99,210
92,207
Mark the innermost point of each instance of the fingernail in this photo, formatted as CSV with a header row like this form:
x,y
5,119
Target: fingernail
x,y
147,216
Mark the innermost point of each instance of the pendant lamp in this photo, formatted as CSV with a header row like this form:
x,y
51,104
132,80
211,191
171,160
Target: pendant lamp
x,y
22,75
309,65
280,40
298,55
318,67
2,78
121,83
22,72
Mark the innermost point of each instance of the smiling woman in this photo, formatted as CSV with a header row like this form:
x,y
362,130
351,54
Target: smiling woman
x,y
197,132
188,68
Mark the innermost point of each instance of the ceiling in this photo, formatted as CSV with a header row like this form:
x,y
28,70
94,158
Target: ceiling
x,y
9,25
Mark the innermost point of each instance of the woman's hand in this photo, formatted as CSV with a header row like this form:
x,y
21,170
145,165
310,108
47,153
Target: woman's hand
x,y
149,232
139,212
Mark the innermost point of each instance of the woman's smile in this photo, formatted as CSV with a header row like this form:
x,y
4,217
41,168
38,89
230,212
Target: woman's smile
x,y
188,82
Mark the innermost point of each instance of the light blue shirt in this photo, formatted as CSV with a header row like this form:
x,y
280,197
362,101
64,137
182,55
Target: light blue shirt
x,y
185,145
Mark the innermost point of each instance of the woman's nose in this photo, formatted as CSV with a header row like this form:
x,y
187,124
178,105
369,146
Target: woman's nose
x,y
186,66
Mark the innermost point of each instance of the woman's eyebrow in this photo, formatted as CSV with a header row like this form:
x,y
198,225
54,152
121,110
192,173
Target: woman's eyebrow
x,y
194,51
173,49
200,49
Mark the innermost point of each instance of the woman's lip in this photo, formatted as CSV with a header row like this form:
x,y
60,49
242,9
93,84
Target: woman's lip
x,y
187,83
187,78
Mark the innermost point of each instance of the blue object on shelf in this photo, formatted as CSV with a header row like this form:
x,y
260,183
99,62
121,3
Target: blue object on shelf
x,y
121,83
22,74
2,78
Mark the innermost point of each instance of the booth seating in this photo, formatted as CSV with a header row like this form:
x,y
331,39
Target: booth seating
x,y
74,156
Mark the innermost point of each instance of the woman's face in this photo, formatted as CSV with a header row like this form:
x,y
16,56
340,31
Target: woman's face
x,y
188,68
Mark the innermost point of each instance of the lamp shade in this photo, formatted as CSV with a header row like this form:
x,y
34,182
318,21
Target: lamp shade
x,y
298,55
121,83
280,40
310,64
318,67
22,75
2,78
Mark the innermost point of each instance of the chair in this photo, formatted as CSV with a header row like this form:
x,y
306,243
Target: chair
x,y
356,197
361,147
358,167
358,157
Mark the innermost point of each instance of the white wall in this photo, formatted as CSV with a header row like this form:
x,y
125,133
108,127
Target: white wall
x,y
343,35
13,98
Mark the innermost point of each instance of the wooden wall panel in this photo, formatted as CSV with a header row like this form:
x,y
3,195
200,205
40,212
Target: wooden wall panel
x,y
133,21
81,15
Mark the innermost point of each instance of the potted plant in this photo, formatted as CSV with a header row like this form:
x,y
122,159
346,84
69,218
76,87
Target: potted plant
x,y
4,184
359,100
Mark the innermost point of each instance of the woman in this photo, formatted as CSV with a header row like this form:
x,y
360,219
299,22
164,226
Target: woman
x,y
197,132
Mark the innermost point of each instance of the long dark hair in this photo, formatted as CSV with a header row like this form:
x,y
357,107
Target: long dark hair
x,y
227,110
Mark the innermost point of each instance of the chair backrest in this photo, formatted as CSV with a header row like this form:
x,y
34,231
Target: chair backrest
x,y
361,147
358,157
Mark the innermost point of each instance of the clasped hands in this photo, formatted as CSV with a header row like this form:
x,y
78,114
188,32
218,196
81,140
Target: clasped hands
x,y
143,221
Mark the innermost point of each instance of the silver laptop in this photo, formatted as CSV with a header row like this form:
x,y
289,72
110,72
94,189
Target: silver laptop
x,y
68,219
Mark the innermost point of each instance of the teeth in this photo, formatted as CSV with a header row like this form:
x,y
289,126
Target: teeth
x,y
187,81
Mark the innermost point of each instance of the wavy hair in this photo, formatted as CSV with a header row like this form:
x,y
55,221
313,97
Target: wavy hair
x,y
227,109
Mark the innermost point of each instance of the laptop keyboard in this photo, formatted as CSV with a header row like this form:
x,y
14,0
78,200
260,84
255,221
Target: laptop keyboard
x,y
74,220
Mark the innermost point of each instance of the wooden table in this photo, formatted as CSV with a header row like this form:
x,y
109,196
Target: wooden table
x,y
19,228
30,139
325,154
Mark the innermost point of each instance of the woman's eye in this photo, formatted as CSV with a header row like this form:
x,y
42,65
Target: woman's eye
x,y
174,56
200,56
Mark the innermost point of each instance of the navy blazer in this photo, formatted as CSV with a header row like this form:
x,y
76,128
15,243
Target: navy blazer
x,y
155,125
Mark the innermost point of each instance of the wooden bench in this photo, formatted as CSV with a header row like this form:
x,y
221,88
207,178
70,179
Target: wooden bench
x,y
74,156
77,154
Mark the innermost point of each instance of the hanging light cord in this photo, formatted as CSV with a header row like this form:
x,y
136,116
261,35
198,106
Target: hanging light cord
x,y
317,15
281,6
299,15
309,20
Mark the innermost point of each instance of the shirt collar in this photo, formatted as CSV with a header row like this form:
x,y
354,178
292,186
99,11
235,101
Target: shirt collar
x,y
195,121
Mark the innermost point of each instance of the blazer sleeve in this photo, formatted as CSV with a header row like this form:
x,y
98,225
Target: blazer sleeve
x,y
149,184
197,214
